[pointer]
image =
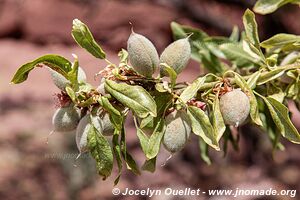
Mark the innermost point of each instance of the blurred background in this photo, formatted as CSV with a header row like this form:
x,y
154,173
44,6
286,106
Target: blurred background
x,y
32,169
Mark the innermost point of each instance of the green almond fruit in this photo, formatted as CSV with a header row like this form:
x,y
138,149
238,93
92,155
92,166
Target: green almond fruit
x,y
65,119
107,127
178,131
101,88
235,107
82,133
176,55
61,82
101,123
142,54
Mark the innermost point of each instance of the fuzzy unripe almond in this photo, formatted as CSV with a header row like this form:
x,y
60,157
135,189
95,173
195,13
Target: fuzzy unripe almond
x,y
65,119
101,123
235,107
176,55
107,127
177,132
142,54
101,88
82,133
61,82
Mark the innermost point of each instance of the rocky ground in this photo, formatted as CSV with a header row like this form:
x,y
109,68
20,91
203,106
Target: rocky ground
x,y
32,169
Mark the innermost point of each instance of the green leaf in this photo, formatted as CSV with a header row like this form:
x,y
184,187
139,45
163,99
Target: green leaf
x,y
87,102
123,55
289,131
155,139
191,90
268,6
280,116
253,51
130,162
235,34
117,154
180,31
280,41
162,101
204,151
84,87
209,60
275,73
71,93
134,97
101,152
252,81
143,138
213,44
251,28
271,129
171,72
272,60
116,117
146,122
275,92
149,165
200,51
293,90
55,62
217,119
289,59
162,87
73,74
236,54
84,38
202,127
254,114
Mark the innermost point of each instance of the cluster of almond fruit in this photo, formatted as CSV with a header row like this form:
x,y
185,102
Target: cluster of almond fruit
x,y
144,59
166,111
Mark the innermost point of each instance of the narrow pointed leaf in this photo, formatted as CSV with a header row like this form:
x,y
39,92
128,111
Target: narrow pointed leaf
x,y
280,116
217,119
130,162
252,81
143,138
115,116
134,97
55,62
84,38
191,90
236,54
280,40
204,152
250,26
149,165
171,73
202,127
275,73
155,139
118,156
289,131
101,152
269,6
